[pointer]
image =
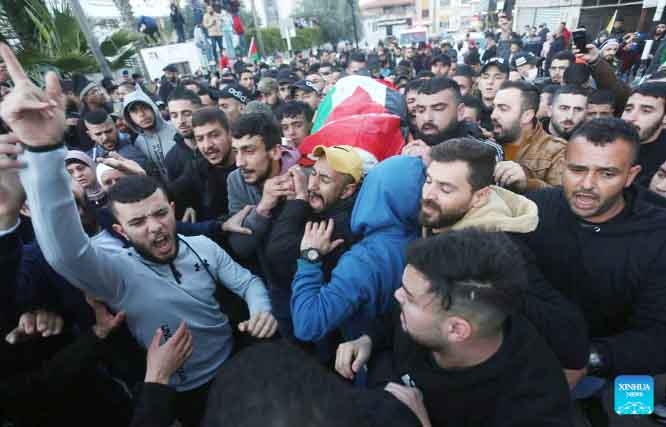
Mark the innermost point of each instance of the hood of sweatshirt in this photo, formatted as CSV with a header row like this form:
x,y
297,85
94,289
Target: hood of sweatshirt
x,y
390,197
140,96
505,211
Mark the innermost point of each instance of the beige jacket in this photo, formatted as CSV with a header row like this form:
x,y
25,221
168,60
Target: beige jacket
x,y
212,24
505,211
542,157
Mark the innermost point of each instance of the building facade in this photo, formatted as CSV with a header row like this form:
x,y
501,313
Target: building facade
x,y
385,18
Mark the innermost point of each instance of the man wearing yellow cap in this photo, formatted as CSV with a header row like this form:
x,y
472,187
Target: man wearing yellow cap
x,y
328,193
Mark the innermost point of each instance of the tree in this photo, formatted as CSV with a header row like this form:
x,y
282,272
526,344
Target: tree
x,y
59,43
15,23
333,17
126,13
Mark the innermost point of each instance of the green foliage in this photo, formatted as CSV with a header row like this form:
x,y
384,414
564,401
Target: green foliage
x,y
334,18
307,38
57,41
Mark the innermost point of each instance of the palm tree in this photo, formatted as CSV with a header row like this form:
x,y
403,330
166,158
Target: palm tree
x,y
59,43
126,13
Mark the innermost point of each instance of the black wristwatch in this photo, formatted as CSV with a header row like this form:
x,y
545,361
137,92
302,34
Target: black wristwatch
x,y
311,255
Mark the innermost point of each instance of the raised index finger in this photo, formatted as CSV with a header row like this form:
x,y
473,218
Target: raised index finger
x,y
14,68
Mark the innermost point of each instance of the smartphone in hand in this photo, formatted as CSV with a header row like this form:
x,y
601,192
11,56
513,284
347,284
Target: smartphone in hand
x,y
579,36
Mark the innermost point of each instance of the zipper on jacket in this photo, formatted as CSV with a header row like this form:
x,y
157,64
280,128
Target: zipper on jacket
x,y
176,273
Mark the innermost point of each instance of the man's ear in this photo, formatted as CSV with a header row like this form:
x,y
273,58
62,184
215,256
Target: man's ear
x,y
25,210
480,197
120,230
349,190
633,173
275,153
527,116
461,111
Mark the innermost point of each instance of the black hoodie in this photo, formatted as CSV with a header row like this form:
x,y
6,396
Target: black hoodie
x,y
522,384
614,272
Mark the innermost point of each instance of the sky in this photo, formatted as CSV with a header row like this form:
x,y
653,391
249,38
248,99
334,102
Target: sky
x,y
107,9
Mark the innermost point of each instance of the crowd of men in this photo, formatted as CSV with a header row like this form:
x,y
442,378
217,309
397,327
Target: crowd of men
x,y
172,252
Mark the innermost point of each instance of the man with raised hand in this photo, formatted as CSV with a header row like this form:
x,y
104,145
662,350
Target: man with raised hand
x,y
161,279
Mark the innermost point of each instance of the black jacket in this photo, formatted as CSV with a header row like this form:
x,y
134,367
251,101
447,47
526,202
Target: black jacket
x,y
614,272
202,187
178,157
650,157
283,249
520,385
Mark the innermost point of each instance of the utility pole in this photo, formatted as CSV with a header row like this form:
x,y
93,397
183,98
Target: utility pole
x,y
90,38
260,40
353,10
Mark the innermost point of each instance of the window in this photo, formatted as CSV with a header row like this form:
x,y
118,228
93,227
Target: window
x,y
425,13
444,3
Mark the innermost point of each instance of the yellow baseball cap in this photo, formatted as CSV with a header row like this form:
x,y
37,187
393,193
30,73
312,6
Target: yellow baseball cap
x,y
342,158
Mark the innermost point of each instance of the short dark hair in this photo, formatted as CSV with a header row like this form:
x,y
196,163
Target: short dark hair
x,y
132,189
255,124
210,115
444,59
484,275
180,93
245,70
576,74
601,97
440,84
425,74
293,109
569,90
472,102
479,156
413,85
551,89
96,117
564,55
529,94
357,57
652,89
608,130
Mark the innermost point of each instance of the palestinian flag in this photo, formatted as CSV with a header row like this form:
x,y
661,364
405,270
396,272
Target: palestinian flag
x,y
360,112
358,95
252,52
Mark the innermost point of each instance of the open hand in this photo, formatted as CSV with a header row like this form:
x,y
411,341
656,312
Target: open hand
x,y
120,163
318,236
235,222
165,359
36,116
418,148
105,322
413,398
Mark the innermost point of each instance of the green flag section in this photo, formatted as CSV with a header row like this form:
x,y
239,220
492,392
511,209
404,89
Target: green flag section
x,y
252,52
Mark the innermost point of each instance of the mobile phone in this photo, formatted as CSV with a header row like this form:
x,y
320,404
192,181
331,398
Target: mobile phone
x,y
579,37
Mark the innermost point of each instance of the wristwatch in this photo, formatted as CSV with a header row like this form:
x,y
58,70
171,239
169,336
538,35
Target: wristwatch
x,y
311,255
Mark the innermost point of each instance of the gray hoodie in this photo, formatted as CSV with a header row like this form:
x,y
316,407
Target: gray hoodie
x,y
153,295
155,144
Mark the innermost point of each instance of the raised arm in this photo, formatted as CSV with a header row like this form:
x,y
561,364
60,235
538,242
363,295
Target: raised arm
x,y
37,118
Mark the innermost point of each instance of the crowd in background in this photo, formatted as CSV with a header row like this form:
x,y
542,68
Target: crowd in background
x,y
441,234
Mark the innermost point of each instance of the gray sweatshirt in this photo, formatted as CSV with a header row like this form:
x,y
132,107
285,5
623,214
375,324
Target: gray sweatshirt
x,y
156,143
153,295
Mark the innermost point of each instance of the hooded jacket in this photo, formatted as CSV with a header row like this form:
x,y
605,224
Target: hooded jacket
x,y
156,143
154,295
558,321
614,272
362,283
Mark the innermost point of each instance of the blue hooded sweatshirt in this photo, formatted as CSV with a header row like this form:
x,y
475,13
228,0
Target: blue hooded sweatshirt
x,y
363,282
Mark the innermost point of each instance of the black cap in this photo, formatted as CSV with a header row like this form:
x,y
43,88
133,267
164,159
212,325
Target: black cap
x,y
497,62
237,92
525,58
464,70
305,85
170,68
286,77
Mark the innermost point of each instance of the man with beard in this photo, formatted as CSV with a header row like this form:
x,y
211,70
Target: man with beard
x,y
182,105
411,91
645,109
168,83
203,184
329,192
157,262
439,116
458,194
567,111
92,98
458,341
533,159
600,104
559,65
104,133
600,242
232,101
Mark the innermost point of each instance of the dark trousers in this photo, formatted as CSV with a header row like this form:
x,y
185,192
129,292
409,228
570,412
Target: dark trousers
x,y
216,41
180,31
191,405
